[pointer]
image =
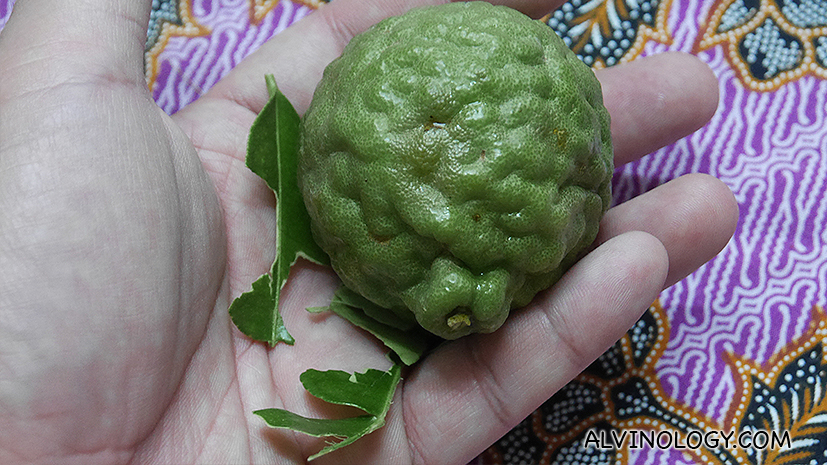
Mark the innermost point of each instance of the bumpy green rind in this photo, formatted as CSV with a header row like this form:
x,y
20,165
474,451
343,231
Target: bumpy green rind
x,y
455,161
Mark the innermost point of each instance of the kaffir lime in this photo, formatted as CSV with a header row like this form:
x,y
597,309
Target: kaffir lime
x,y
455,161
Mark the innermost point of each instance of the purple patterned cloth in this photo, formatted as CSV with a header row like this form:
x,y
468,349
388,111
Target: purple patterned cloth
x,y
736,346
213,36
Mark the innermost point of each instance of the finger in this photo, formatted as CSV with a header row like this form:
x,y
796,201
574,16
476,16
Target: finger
x,y
694,216
474,390
657,100
48,42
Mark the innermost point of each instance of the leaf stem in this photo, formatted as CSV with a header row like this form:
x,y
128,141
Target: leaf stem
x,y
272,88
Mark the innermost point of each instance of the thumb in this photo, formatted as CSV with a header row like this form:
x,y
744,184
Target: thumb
x,y
51,42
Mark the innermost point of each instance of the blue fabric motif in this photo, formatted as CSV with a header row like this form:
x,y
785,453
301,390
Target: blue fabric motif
x,y
804,13
821,50
603,31
768,50
163,11
738,14
770,42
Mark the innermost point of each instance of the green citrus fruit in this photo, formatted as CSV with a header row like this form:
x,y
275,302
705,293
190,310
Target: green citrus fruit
x,y
455,161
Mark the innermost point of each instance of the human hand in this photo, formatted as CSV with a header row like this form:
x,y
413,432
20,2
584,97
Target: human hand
x,y
126,233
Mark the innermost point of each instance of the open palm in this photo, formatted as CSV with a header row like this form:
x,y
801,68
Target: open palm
x,y
125,234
